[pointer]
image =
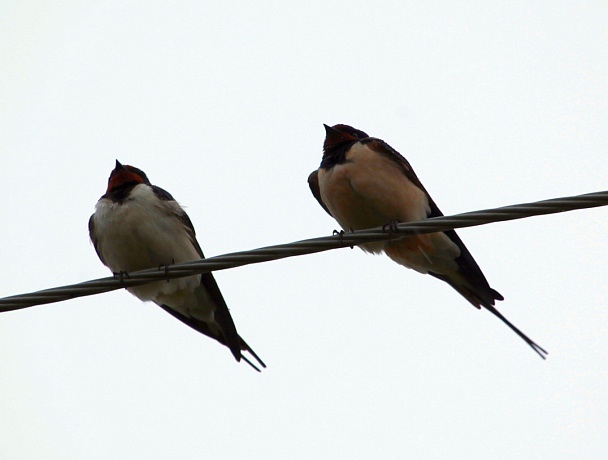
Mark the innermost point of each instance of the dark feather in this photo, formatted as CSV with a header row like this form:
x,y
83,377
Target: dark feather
x,y
313,183
222,316
478,293
203,328
94,240
162,194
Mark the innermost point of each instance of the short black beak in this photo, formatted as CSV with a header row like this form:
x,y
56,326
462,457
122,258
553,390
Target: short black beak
x,y
335,137
328,129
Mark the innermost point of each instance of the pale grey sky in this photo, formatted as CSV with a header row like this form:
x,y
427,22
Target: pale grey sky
x,y
222,104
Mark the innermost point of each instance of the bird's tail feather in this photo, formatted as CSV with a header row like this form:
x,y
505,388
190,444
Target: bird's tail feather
x,y
245,347
217,334
537,348
486,298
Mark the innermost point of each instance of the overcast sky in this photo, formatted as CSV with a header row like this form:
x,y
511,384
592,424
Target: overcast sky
x,y
222,104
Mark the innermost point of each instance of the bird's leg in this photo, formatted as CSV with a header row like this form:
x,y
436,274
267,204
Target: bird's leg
x,y
121,276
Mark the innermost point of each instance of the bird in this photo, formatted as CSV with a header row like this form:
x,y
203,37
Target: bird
x,y
137,225
362,182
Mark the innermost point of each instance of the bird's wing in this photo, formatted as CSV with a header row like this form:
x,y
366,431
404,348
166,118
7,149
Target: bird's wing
x,y
95,239
483,295
313,183
226,333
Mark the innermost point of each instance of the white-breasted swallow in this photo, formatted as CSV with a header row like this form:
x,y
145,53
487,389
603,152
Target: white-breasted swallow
x,y
363,182
137,225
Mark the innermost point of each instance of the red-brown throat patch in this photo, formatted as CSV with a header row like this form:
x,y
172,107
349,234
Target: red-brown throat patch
x,y
335,137
121,177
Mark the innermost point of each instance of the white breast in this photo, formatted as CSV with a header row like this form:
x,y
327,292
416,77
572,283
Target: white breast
x,y
143,232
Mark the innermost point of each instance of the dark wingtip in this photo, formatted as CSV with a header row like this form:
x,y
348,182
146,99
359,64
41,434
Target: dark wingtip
x,y
497,295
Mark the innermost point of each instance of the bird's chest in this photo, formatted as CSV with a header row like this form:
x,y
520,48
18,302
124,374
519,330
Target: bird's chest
x,y
349,207
132,236
369,191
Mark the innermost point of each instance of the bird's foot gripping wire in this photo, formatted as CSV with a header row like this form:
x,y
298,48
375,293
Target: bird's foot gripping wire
x,y
341,233
121,276
392,228
165,267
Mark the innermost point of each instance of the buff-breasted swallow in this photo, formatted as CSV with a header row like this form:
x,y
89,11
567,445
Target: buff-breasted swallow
x,y
363,182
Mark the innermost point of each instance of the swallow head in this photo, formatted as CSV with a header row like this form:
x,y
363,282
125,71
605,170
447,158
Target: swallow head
x,y
123,175
338,136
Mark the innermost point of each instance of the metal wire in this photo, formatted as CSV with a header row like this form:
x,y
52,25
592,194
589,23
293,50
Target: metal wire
x,y
310,246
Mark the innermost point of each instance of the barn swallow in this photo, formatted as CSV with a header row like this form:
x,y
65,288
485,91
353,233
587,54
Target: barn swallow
x,y
363,183
137,225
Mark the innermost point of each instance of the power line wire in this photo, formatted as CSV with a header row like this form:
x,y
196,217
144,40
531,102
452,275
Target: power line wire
x,y
298,248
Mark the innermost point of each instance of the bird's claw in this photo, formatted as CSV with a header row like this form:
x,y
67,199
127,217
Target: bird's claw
x,y
121,276
391,228
341,233
351,230
165,267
